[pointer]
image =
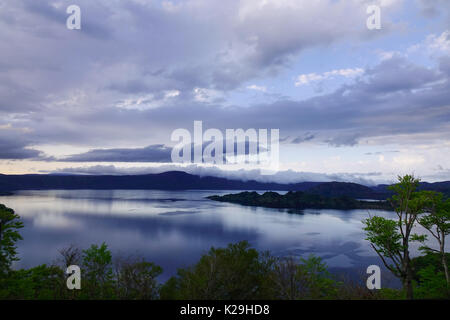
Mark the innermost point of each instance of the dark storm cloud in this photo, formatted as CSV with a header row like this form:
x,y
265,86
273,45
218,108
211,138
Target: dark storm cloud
x,y
13,149
153,153
17,152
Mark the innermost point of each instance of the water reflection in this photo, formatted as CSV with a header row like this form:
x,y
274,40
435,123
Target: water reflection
x,y
173,228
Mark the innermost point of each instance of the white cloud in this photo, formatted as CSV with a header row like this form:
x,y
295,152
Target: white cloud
x,y
387,55
257,88
207,95
148,101
440,43
305,79
434,44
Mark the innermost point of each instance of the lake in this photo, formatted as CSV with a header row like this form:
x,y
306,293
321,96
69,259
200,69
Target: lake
x,y
174,228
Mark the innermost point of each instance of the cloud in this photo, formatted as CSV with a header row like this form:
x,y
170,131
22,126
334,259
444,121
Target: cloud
x,y
380,152
288,176
257,88
395,98
153,153
305,79
132,49
140,69
17,151
205,95
13,144
435,45
434,8
440,44
148,101
306,137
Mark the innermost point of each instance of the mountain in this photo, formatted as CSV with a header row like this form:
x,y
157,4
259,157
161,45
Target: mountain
x,y
345,189
443,186
178,180
172,180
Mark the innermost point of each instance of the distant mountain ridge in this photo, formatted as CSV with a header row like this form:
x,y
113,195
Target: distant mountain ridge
x,y
179,180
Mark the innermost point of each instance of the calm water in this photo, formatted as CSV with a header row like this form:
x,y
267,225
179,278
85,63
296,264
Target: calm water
x,y
173,228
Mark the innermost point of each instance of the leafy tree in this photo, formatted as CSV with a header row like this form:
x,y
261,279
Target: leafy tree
x,y
236,272
432,284
97,272
137,280
39,283
318,282
437,222
308,279
391,238
286,279
9,234
170,289
429,259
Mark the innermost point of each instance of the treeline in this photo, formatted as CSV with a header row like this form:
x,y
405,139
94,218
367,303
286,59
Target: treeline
x,y
299,200
236,272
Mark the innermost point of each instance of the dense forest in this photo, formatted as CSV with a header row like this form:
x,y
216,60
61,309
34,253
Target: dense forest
x,y
299,200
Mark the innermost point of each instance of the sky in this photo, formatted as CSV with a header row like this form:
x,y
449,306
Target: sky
x,y
350,103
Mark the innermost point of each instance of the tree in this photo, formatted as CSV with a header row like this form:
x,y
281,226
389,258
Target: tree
x,y
437,222
97,270
236,272
9,225
70,255
430,277
41,282
308,279
137,280
391,238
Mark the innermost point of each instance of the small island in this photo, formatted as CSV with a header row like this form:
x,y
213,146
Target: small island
x,y
299,200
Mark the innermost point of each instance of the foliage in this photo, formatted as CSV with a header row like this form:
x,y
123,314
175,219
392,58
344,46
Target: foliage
x,y
429,259
429,276
235,272
38,283
385,238
437,222
137,280
9,234
299,200
97,271
391,238
308,279
432,284
317,280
